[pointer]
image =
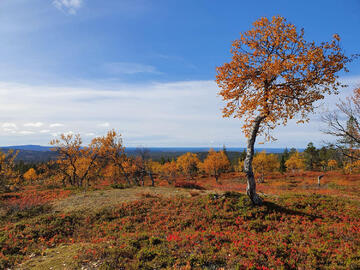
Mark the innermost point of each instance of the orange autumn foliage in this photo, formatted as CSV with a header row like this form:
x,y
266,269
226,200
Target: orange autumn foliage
x,y
30,175
112,156
135,169
352,167
276,74
169,171
295,163
215,164
188,164
154,166
332,164
77,165
273,76
265,163
8,175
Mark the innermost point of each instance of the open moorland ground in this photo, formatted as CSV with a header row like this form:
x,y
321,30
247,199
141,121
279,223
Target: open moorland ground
x,y
207,225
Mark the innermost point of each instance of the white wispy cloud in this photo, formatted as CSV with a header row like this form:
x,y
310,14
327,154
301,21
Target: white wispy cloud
x,y
56,125
10,126
25,132
34,124
106,124
128,68
69,6
9,130
154,114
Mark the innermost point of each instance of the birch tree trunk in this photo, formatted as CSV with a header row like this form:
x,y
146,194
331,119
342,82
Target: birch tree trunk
x,y
251,184
151,178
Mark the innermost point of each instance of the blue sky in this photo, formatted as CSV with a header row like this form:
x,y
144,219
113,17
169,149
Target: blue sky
x,y
143,67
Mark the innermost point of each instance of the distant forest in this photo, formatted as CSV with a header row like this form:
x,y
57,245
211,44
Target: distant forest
x,y
37,154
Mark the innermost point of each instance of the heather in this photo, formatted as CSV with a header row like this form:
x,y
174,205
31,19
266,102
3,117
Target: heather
x,y
180,228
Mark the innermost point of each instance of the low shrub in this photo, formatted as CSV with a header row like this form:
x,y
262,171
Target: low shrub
x,y
147,195
204,232
120,186
188,185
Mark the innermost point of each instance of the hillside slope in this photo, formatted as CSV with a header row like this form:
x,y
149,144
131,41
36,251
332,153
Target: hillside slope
x,y
165,227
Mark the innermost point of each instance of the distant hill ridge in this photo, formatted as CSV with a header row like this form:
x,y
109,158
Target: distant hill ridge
x,y
38,153
40,148
29,147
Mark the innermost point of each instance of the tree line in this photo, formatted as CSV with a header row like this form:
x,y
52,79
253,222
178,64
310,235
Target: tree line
x,y
105,158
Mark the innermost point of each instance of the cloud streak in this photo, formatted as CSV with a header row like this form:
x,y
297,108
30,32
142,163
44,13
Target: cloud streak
x,y
126,68
9,125
154,114
26,132
69,6
106,124
56,125
35,125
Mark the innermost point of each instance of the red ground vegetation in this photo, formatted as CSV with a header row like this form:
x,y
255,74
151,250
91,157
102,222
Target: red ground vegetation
x,y
299,226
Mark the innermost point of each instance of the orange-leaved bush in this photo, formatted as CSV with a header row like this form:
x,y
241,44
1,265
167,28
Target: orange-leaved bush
x,y
169,171
188,164
332,164
30,175
215,164
76,164
8,174
265,163
296,162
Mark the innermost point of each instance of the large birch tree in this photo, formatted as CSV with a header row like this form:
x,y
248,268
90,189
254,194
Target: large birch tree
x,y
276,75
